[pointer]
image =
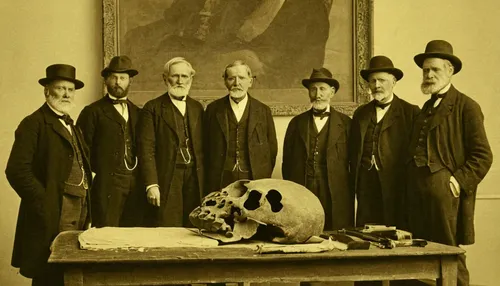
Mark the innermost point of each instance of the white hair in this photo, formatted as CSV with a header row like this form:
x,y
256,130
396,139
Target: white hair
x,y
177,60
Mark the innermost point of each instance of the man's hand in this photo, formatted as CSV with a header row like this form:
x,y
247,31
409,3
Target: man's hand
x,y
154,196
454,187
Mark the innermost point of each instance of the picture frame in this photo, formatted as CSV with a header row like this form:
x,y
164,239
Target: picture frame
x,y
282,41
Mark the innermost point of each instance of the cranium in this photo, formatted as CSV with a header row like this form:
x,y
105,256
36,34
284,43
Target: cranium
x,y
270,209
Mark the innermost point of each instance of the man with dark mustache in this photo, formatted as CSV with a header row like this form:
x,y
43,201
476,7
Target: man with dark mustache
x,y
170,148
315,151
109,127
449,155
240,137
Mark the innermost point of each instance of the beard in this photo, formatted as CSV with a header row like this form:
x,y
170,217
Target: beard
x,y
428,87
117,91
237,93
380,95
62,105
320,104
178,90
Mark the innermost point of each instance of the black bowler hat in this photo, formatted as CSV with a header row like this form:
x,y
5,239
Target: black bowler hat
x,y
321,75
381,64
61,72
439,49
119,64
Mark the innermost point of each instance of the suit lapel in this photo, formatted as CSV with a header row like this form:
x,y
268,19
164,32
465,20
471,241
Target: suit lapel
x,y
167,113
334,129
57,126
111,112
254,115
445,108
221,115
392,114
303,127
364,119
192,113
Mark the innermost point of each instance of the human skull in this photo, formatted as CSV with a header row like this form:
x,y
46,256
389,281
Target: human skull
x,y
269,209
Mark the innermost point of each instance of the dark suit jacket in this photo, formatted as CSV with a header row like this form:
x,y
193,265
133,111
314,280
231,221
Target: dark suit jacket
x,y
39,164
262,142
296,151
103,130
392,147
158,142
458,141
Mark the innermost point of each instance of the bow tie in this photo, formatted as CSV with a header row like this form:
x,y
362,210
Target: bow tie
x,y
67,119
179,98
320,113
382,105
435,96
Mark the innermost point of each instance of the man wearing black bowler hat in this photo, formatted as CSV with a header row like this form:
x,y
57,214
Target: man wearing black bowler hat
x,y
49,169
380,135
108,127
449,155
315,151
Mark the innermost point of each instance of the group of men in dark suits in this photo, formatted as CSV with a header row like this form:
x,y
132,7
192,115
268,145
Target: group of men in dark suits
x,y
415,169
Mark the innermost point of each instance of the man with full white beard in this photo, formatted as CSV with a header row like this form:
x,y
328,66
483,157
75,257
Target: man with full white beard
x,y
449,155
170,148
240,137
380,134
109,127
49,169
315,151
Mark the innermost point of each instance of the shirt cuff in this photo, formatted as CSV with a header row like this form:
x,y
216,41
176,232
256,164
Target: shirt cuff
x,y
150,186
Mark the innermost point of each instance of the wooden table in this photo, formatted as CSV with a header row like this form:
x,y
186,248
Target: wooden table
x,y
220,264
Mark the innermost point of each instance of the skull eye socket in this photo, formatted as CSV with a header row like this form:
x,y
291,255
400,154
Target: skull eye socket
x,y
210,203
252,203
274,198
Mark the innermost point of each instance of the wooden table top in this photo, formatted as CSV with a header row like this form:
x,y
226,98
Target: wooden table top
x,y
66,250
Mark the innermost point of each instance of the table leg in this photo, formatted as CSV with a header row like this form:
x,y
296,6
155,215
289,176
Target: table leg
x,y
448,271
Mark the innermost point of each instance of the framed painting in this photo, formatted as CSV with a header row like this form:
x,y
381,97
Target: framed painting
x,y
281,40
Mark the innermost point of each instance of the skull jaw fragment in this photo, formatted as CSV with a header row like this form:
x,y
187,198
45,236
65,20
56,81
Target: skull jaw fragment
x,y
266,209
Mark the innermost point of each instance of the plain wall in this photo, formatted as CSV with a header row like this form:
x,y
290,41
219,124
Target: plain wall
x,y
39,33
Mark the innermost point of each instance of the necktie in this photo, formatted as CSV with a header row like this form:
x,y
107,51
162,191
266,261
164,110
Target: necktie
x,y
382,105
321,113
67,119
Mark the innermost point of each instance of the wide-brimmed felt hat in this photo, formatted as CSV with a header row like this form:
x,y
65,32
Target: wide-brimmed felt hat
x,y
61,72
119,64
321,75
381,64
439,49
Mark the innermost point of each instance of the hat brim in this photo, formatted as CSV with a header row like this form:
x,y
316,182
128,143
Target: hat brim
x,y
45,81
394,71
130,72
330,81
455,61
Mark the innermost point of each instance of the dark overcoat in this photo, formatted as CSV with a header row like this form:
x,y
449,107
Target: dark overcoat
x,y
39,164
262,141
103,130
457,139
158,142
392,147
296,151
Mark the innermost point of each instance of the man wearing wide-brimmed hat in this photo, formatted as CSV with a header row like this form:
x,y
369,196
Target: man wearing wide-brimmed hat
x,y
315,151
109,127
449,155
380,134
49,169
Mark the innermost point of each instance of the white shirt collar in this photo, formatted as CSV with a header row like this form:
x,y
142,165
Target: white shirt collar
x,y
116,98
445,89
240,105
